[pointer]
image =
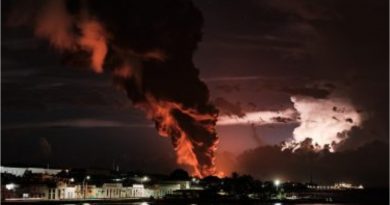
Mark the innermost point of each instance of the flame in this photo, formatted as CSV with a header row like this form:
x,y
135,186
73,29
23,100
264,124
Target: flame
x,y
162,112
185,155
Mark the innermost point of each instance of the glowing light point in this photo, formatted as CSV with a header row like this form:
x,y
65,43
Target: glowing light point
x,y
145,178
276,182
10,186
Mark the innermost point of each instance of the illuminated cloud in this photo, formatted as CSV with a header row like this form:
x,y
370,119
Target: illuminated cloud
x,y
325,121
260,118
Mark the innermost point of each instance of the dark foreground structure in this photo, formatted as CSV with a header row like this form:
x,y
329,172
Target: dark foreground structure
x,y
44,186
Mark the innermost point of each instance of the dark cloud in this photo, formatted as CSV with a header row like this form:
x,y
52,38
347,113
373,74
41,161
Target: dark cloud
x,y
283,119
45,147
298,86
256,137
368,165
228,88
81,123
62,93
77,147
228,108
312,92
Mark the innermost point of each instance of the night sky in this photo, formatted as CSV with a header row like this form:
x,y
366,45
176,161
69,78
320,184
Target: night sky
x,y
256,56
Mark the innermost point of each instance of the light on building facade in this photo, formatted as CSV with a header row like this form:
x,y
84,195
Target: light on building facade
x,y
10,186
195,180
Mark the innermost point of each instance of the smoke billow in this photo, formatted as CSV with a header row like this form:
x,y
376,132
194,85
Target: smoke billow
x,y
148,47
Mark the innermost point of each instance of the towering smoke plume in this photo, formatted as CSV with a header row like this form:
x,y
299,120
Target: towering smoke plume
x,y
148,46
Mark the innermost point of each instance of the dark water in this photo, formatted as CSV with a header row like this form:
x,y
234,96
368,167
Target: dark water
x,y
235,203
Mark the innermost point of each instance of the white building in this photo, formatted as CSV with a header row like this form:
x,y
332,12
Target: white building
x,y
336,186
19,171
64,192
117,190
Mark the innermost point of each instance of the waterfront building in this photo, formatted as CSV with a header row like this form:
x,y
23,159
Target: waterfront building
x,y
116,190
160,190
336,186
49,184
19,171
63,191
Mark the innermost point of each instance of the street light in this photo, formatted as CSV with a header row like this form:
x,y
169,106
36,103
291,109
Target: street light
x,y
145,179
85,184
277,182
71,179
195,180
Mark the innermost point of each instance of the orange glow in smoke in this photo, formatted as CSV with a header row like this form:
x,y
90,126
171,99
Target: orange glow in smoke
x,y
155,54
124,71
167,125
54,23
93,40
